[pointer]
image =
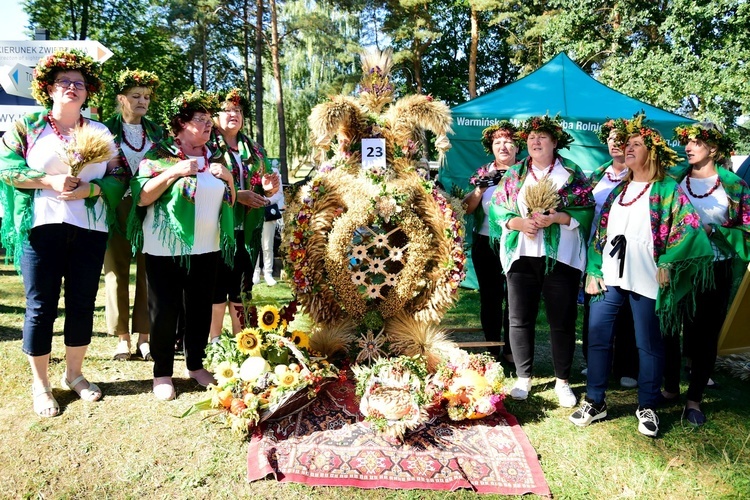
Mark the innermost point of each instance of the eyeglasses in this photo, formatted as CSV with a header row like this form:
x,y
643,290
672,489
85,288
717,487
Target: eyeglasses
x,y
65,83
202,121
232,110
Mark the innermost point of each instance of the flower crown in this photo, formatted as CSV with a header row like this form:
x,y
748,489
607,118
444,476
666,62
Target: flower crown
x,y
191,101
546,124
128,79
708,133
608,126
652,139
235,97
64,60
489,132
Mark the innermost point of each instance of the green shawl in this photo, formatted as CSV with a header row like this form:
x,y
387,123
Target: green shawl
x,y
597,174
680,245
174,211
18,204
575,199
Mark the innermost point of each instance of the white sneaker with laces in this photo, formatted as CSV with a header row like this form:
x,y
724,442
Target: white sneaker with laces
x,y
521,388
565,395
648,422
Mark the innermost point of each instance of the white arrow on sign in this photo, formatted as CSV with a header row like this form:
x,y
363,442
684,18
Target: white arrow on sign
x,y
17,80
28,52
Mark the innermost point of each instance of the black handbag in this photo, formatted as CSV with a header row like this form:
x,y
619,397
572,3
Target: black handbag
x,y
272,212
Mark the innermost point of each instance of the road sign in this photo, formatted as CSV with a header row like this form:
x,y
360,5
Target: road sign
x,y
17,80
28,52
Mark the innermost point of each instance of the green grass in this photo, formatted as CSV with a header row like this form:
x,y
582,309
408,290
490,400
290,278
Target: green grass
x,y
129,445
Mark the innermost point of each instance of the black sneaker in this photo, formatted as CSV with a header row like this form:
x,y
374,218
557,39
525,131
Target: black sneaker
x,y
648,422
588,412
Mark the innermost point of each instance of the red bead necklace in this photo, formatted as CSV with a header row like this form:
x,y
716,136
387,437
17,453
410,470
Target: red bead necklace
x,y
143,140
56,130
625,190
549,171
708,193
181,155
612,179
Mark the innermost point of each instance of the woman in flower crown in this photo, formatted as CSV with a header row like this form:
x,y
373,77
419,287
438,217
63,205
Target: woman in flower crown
x,y
135,135
648,250
722,201
183,222
604,179
254,183
500,141
56,222
541,213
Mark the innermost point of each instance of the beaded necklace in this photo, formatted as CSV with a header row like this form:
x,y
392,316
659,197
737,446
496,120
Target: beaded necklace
x,y
56,130
625,190
143,140
708,193
181,155
549,171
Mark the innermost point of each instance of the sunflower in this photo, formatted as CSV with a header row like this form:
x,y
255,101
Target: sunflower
x,y
268,318
249,341
226,373
288,379
301,339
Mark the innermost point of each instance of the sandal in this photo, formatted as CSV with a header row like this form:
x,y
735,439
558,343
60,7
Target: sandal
x,y
144,349
122,352
91,393
47,407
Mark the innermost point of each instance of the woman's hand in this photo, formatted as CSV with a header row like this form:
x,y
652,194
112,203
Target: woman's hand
x,y
82,191
184,168
662,277
595,285
554,217
218,171
62,182
271,183
251,199
526,226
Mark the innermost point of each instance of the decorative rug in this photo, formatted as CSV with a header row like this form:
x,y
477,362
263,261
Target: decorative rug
x,y
326,444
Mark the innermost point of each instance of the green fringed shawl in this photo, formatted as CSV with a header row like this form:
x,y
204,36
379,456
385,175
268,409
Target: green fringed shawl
x,y
575,199
256,165
174,211
18,204
680,245
597,174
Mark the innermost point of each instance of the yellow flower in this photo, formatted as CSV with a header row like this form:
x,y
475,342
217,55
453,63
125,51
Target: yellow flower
x,y
301,339
249,342
226,373
288,379
268,318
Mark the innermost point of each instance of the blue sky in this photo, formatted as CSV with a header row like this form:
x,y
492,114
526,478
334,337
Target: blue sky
x,y
13,22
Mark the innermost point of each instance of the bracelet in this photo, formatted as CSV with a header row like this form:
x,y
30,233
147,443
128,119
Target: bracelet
x,y
91,190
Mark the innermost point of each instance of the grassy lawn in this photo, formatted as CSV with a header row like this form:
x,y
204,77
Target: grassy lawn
x,y
129,445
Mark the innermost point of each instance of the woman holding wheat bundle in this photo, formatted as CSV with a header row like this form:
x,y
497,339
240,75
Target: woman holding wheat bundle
x,y
541,213
62,193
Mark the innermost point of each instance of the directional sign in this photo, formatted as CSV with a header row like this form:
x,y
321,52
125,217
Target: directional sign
x,y
17,80
28,52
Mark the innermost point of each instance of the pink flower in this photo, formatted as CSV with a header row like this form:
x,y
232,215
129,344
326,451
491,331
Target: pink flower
x,y
663,231
693,220
683,199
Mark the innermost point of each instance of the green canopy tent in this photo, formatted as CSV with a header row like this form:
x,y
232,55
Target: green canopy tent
x,y
558,87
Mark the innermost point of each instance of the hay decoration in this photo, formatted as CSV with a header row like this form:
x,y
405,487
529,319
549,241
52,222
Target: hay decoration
x,y
87,145
376,89
738,365
542,197
411,337
333,339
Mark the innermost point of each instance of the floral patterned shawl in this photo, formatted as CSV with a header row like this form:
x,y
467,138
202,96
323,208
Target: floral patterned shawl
x,y
680,245
174,211
575,199
597,174
18,204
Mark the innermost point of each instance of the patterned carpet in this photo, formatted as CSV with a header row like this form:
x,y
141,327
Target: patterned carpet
x,y
327,445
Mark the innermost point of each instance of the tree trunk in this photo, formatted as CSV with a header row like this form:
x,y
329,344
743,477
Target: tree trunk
x,y
204,57
73,18
473,53
259,71
279,93
246,57
84,19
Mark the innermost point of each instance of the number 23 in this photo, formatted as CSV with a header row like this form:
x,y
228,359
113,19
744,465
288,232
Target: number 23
x,y
374,152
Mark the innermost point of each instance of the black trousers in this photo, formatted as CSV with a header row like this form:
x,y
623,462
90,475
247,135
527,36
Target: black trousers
x,y
700,335
527,283
493,293
177,286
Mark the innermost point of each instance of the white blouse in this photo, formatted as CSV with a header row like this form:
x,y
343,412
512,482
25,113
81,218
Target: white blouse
x,y
602,189
713,209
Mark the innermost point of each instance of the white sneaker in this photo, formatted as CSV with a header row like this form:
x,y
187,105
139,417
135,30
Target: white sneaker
x,y
628,382
256,278
269,280
565,395
648,422
521,388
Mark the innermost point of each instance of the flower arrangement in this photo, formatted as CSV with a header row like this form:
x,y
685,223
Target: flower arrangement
x,y
471,384
608,126
546,124
265,371
652,139
87,145
395,394
504,127
64,60
235,97
190,102
708,133
128,79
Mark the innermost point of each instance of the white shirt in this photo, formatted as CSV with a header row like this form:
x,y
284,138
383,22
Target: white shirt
x,y
713,209
602,189
634,221
134,134
570,251
209,194
43,157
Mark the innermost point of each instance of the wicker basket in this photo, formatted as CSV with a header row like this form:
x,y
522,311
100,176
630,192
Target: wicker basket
x,y
292,403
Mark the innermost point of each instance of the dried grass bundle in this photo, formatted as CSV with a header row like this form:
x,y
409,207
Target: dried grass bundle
x,y
376,89
410,337
342,116
332,339
736,364
87,145
542,197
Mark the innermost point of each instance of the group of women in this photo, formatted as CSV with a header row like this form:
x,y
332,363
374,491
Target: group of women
x,y
659,247
189,202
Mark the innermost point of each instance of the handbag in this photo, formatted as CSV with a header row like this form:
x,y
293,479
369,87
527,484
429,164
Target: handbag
x,y
272,212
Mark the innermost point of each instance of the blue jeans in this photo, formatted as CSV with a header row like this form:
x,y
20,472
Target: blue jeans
x,y
54,252
648,340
